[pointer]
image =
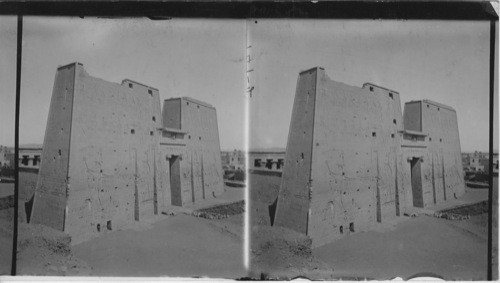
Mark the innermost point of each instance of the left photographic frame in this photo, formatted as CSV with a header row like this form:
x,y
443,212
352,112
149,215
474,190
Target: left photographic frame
x,y
122,124
8,47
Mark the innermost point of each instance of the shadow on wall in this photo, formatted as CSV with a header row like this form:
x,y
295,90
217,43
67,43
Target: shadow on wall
x,y
272,211
27,208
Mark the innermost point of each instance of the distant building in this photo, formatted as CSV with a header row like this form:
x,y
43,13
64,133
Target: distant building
x,y
30,157
465,160
476,161
266,160
5,156
476,164
485,164
233,160
495,163
224,159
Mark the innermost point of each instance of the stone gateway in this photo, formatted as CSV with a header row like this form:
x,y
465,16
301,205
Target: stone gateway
x,y
111,156
354,160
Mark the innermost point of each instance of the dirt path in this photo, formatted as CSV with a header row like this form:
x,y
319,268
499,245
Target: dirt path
x,y
181,245
423,244
6,237
232,225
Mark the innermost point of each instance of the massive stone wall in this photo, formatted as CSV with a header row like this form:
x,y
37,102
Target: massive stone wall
x,y
294,197
440,153
349,158
111,156
100,169
49,205
200,161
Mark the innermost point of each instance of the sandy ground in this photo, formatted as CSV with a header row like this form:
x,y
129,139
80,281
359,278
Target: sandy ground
x,y
179,245
403,247
421,244
6,189
175,246
40,250
280,253
454,250
451,249
45,251
6,237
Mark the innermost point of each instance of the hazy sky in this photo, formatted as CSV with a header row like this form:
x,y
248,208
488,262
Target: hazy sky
x,y
8,45
196,58
444,61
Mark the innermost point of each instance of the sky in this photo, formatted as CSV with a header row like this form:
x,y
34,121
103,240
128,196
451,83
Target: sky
x,y
444,61
196,58
8,45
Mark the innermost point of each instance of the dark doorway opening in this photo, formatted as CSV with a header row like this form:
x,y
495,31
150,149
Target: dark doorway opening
x,y
175,180
27,208
272,210
416,182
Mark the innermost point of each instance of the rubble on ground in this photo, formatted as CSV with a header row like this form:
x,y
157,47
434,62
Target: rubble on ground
x,y
45,251
280,253
220,211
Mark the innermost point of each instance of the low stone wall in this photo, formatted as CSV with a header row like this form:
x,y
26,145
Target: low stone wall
x,y
468,209
221,211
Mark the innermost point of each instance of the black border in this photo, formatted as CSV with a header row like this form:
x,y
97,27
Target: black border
x,y
159,10
16,144
490,162
444,10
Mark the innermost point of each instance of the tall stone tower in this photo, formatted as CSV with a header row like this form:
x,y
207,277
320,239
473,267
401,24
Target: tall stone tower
x,y
100,163
434,154
198,160
352,162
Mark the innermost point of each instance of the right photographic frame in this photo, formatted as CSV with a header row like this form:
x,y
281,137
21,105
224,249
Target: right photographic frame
x,y
369,152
